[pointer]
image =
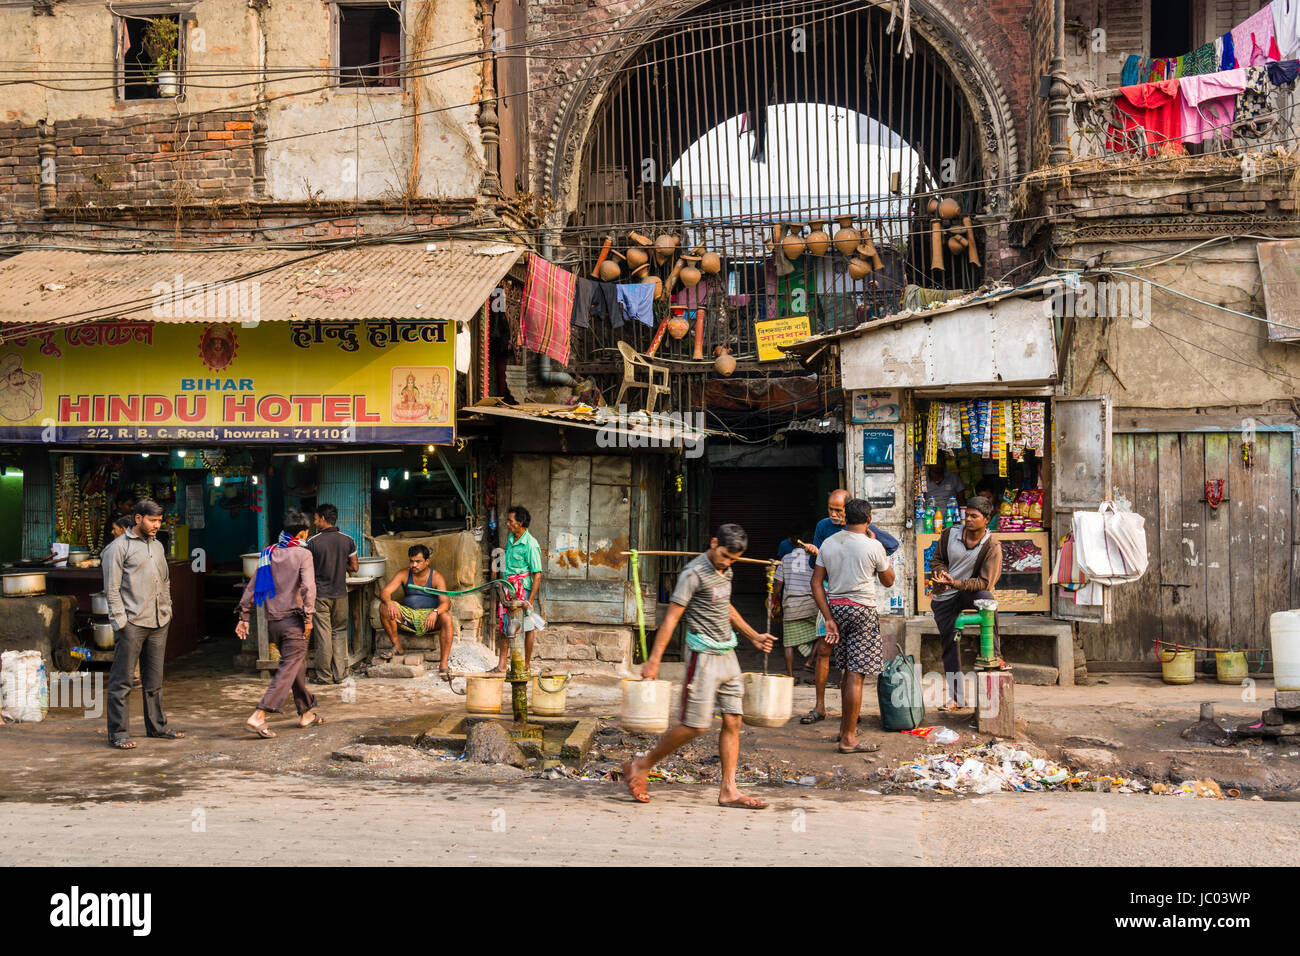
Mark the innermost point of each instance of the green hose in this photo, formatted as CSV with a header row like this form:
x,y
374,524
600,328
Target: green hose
x,y
640,611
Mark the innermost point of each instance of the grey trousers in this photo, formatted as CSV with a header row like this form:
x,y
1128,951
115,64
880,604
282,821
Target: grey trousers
x,y
146,646
330,628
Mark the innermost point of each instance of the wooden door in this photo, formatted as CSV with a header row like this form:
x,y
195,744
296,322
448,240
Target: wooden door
x,y
1215,575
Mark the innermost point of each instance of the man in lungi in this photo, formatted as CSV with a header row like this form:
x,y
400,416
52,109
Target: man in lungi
x,y
702,601
792,589
853,561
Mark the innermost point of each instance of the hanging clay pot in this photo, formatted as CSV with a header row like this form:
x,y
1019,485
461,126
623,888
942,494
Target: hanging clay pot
x,y
640,239
678,327
711,263
956,245
858,268
658,284
932,207
867,250
690,274
610,271
725,363
637,257
971,251
793,244
665,245
641,271
777,232
936,246
818,241
846,238
948,209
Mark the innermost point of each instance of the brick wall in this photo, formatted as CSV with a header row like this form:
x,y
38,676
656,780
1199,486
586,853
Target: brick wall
x,y
105,162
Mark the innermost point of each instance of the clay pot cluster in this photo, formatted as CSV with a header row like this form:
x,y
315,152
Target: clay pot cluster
x,y
945,214
854,244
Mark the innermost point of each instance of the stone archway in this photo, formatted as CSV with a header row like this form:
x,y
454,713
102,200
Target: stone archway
x,y
933,24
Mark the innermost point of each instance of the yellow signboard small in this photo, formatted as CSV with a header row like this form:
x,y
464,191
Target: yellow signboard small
x,y
777,333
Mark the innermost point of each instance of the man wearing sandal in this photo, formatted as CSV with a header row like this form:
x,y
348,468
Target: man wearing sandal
x,y
792,587
285,585
965,568
702,601
424,606
852,560
138,588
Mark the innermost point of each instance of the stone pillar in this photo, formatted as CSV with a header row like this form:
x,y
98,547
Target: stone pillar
x,y
1058,95
46,192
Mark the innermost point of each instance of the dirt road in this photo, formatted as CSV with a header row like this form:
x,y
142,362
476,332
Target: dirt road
x,y
254,819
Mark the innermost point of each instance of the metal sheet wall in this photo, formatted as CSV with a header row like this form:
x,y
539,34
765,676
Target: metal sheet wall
x,y
344,482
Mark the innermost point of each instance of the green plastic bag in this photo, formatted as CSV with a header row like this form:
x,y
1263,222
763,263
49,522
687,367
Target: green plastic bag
x,y
899,692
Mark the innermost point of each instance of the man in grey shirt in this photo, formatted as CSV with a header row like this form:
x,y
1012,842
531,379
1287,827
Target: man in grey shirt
x,y
138,588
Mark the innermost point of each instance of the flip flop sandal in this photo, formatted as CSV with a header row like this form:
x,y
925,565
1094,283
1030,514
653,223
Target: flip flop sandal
x,y
385,655
744,803
169,735
811,717
315,719
635,787
124,743
862,747
260,729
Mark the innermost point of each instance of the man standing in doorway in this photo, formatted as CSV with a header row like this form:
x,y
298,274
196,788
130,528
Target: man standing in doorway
x,y
702,601
138,587
965,568
522,567
285,584
334,555
851,560
833,524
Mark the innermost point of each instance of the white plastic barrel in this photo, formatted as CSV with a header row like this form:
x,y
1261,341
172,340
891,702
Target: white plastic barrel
x,y
769,699
1284,630
646,704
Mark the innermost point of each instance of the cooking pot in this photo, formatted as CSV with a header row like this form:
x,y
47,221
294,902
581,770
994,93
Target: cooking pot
x,y
24,583
76,557
372,566
99,604
103,635
250,563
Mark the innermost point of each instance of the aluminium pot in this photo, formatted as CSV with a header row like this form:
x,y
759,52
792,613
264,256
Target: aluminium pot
x,y
76,557
24,584
102,634
99,604
250,563
371,566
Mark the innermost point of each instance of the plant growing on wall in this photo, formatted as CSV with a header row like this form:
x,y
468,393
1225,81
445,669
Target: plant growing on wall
x,y
161,45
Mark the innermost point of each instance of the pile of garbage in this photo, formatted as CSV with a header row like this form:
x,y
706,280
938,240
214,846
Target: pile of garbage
x,y
995,767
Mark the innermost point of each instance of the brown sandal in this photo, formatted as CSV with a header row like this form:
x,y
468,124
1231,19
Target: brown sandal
x,y
259,729
634,786
315,719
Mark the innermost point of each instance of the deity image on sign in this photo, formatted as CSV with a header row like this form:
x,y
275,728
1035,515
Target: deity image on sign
x,y
217,346
419,394
20,391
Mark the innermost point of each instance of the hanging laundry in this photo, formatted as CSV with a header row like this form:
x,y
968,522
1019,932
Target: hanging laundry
x,y
581,316
1208,104
1286,27
1283,73
547,306
1129,75
1152,109
1252,119
1227,58
604,303
637,300
1162,68
1200,61
1253,41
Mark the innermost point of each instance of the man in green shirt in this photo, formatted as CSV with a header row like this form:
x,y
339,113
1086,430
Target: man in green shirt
x,y
522,566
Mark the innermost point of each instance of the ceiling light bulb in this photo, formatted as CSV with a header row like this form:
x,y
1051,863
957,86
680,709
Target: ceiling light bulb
x,y
383,482
144,454
430,448
406,476
302,457
255,479
216,480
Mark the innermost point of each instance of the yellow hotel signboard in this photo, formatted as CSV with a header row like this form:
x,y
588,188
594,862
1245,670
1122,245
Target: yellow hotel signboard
x,y
384,380
774,334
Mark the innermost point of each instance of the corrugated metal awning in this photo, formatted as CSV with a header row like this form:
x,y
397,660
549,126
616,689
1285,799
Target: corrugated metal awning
x,y
665,430
441,280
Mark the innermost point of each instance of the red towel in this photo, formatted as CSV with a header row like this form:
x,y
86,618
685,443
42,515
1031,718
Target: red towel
x,y
547,305
1153,107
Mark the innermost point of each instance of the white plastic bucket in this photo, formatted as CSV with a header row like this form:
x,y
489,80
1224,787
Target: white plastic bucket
x,y
1284,631
646,704
769,699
